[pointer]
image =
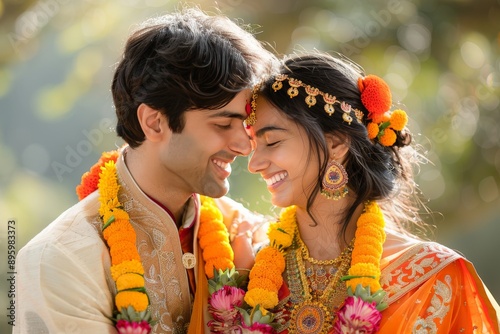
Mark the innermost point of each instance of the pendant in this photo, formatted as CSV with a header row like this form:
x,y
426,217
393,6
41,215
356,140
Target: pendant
x,y
188,260
311,318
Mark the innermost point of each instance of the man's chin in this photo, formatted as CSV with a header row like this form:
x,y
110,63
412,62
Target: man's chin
x,y
215,189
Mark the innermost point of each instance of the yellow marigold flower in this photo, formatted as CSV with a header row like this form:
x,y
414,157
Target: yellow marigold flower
x,y
264,298
372,283
372,207
108,182
372,130
222,249
129,281
388,138
271,255
219,263
132,266
213,238
279,238
399,119
138,300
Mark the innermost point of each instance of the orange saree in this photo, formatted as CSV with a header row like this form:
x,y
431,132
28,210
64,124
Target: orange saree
x,y
432,289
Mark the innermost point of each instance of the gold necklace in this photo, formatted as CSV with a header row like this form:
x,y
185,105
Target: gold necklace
x,y
315,313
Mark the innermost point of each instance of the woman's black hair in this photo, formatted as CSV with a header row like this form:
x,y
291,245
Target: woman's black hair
x,y
375,172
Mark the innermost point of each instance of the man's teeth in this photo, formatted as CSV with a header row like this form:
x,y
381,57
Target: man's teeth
x,y
221,164
276,178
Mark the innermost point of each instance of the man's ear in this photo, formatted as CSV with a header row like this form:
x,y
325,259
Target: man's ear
x,y
338,146
152,122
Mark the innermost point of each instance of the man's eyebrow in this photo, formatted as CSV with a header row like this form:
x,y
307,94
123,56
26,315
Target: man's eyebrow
x,y
262,131
228,114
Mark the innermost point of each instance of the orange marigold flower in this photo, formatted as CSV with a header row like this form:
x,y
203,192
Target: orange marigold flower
x,y
366,258
138,300
388,138
120,227
211,220
213,237
372,130
369,218
381,118
88,185
372,241
120,238
263,283
131,266
399,119
271,255
363,250
217,263
222,249
268,271
123,252
375,94
90,179
266,299
129,281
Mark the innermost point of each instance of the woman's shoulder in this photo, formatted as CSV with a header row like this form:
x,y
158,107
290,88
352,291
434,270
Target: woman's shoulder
x,y
408,262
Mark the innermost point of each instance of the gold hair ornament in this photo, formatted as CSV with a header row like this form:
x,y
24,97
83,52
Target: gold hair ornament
x,y
311,100
252,106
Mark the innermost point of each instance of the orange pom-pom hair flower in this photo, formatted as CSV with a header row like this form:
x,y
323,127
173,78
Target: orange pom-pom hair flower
x,y
375,95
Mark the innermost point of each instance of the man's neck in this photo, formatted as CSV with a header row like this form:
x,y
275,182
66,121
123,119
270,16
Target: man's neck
x,y
147,174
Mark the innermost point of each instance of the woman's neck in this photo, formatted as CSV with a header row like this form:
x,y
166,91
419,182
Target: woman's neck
x,y
324,236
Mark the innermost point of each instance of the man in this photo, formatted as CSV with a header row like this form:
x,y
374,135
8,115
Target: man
x,y
180,93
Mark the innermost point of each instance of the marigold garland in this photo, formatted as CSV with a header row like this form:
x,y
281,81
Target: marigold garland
x,y
127,270
270,261
281,234
370,236
214,238
121,240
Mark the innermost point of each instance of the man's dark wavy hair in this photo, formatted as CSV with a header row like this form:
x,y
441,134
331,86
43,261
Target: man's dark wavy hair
x,y
183,61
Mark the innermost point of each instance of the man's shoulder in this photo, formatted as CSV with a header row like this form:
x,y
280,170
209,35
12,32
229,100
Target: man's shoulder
x,y
77,227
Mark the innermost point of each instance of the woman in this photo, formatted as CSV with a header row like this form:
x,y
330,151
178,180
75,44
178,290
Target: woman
x,y
341,257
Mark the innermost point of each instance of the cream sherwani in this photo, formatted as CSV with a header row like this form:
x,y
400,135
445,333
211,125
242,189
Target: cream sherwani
x,y
64,283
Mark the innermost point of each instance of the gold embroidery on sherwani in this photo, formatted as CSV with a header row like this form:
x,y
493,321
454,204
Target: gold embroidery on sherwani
x,y
437,310
414,267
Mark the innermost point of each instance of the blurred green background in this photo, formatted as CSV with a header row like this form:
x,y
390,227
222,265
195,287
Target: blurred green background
x,y
440,58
